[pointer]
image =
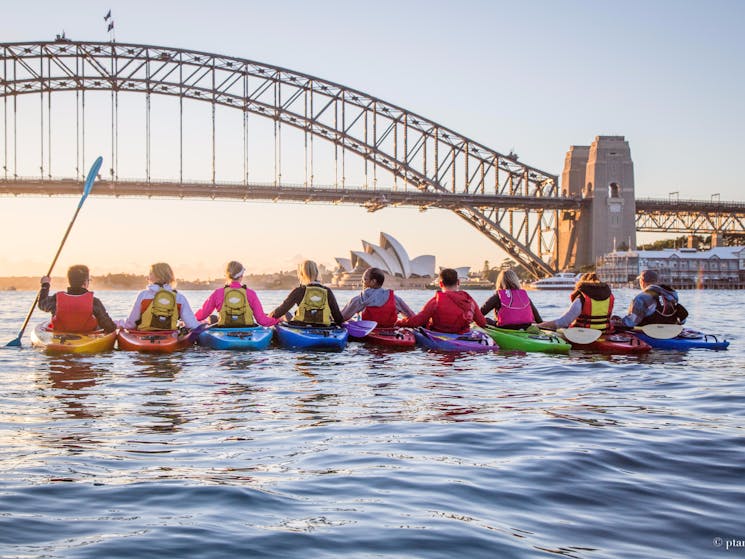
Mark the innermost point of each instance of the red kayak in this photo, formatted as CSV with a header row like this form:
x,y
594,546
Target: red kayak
x,y
155,341
392,337
618,342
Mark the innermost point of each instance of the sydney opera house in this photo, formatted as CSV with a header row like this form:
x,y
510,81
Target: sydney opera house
x,y
391,257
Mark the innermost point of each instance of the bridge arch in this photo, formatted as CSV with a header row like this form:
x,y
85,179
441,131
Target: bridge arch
x,y
514,204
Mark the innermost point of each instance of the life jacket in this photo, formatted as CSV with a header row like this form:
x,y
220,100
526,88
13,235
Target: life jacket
x,y
235,311
314,308
666,312
597,305
385,315
515,307
161,312
74,313
453,312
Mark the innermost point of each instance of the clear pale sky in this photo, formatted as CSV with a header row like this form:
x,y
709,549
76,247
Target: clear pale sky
x,y
532,76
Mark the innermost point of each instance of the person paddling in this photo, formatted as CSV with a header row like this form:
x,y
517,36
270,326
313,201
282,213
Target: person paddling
x,y
450,310
512,307
237,306
592,305
316,303
75,310
160,306
656,304
376,303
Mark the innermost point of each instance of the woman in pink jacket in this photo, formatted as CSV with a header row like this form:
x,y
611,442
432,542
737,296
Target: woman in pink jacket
x,y
237,306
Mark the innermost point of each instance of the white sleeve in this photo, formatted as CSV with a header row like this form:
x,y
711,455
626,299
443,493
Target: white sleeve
x,y
571,315
135,313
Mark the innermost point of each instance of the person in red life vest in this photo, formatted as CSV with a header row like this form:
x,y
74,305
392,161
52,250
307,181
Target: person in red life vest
x,y
75,310
236,305
160,306
316,303
511,305
376,303
592,306
450,310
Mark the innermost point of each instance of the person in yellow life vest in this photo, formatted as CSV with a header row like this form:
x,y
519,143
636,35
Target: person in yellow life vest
x,y
316,304
237,305
75,310
160,306
592,306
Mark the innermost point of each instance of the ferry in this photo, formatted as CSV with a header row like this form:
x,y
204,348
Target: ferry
x,y
563,280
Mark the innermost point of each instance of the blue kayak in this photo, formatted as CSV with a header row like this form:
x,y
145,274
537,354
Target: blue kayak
x,y
473,340
329,338
687,339
247,338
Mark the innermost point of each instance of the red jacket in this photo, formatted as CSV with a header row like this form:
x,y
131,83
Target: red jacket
x,y
74,313
385,315
447,311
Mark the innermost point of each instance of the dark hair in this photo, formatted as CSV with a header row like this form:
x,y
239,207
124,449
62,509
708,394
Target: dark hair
x,y
376,274
449,277
76,275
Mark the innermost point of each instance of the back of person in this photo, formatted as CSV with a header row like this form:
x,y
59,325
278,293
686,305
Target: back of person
x,y
74,313
159,313
314,308
385,315
454,312
667,309
597,304
515,307
235,311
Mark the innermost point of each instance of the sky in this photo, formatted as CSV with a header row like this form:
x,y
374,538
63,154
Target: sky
x,y
534,77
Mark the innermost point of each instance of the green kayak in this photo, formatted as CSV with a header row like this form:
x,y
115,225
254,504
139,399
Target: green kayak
x,y
521,340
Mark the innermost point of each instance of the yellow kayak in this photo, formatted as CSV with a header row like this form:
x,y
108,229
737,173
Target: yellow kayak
x,y
68,342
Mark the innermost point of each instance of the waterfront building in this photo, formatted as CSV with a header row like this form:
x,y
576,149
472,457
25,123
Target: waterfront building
x,y
685,268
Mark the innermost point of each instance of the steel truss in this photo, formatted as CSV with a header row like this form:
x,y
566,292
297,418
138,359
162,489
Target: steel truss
x,y
423,157
690,216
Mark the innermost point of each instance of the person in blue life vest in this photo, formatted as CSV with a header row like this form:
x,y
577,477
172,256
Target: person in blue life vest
x,y
75,310
592,306
511,305
316,303
375,302
160,306
655,304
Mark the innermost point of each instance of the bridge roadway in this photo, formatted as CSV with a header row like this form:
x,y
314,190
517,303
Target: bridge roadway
x,y
372,199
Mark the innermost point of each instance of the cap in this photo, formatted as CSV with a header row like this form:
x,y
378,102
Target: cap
x,y
648,276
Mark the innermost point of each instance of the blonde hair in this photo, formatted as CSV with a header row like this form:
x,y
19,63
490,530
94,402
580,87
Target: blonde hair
x,y
590,277
507,279
234,270
161,273
307,272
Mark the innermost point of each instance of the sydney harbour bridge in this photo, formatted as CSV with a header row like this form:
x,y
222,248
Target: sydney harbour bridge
x,y
296,138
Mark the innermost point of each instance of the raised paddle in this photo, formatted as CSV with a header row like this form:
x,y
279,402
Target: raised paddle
x,y
360,328
581,335
661,331
86,190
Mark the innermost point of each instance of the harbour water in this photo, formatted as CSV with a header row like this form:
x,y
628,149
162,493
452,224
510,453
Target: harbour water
x,y
370,453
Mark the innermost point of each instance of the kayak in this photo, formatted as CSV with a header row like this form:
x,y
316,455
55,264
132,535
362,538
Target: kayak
x,y
521,340
246,338
687,339
330,338
401,338
617,342
70,342
473,340
155,341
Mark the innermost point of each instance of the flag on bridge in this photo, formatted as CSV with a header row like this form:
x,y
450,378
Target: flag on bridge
x,y
107,16
111,26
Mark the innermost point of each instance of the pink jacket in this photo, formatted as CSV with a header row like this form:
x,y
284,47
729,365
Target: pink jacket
x,y
214,303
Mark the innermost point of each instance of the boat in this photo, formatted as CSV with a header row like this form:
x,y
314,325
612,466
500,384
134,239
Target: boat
x,y
399,338
70,342
616,342
687,339
522,340
156,341
244,338
294,336
473,340
562,280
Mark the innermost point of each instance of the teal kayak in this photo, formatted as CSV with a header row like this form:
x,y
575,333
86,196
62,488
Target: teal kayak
x,y
521,340
246,338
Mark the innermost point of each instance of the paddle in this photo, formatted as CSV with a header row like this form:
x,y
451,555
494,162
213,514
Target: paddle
x,y
581,335
86,190
661,331
360,328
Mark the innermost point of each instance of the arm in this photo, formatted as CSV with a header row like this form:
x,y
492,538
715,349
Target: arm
x,y
136,312
352,308
536,314
103,318
258,310
402,307
295,297
422,317
567,318
637,311
493,303
46,302
210,304
335,312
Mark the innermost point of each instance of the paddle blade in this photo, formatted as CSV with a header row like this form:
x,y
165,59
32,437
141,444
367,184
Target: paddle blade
x,y
661,331
14,343
90,179
360,328
581,335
